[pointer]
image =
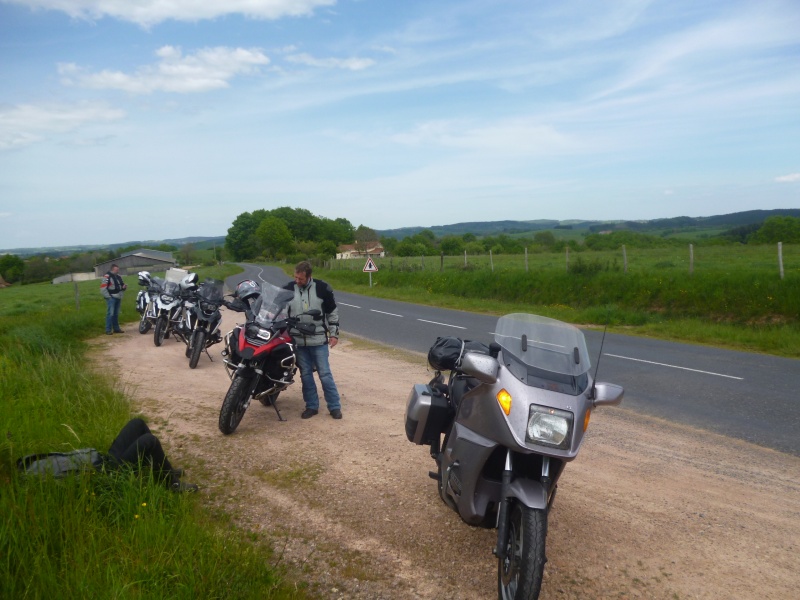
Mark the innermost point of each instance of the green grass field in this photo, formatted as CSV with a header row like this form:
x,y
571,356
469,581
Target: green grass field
x,y
99,535
734,297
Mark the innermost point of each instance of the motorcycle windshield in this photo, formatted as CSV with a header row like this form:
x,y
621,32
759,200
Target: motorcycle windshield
x,y
211,291
272,305
157,282
172,288
544,344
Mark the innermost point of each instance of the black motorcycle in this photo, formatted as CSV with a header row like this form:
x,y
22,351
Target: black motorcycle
x,y
202,320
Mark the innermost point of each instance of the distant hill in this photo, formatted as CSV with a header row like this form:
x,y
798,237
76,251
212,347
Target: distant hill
x,y
655,226
200,243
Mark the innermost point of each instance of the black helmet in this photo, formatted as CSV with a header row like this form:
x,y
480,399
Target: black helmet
x,y
247,289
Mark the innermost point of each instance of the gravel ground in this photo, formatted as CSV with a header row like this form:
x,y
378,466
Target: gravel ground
x,y
647,510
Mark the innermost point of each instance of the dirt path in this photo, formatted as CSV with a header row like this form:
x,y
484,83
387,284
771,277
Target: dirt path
x,y
648,510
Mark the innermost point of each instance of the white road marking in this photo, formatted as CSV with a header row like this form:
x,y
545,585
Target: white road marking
x,y
445,324
385,313
350,305
674,366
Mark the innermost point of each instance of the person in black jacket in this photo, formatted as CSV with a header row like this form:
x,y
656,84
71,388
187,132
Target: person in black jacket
x,y
112,289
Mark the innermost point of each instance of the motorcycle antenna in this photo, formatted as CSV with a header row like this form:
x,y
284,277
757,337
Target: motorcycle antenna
x,y
599,356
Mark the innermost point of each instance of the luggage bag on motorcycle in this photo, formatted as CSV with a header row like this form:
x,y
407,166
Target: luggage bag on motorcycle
x,y
427,415
446,352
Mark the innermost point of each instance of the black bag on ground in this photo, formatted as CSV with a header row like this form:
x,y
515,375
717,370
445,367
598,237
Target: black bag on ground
x,y
446,352
61,464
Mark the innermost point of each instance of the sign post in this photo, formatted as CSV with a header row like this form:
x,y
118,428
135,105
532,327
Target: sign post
x,y
370,268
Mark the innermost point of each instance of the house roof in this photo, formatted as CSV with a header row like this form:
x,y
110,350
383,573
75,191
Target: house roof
x,y
154,254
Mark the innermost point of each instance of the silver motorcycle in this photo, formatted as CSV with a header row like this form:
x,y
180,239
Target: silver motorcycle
x,y
501,429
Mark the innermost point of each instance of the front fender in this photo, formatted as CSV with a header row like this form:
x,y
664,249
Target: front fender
x,y
528,492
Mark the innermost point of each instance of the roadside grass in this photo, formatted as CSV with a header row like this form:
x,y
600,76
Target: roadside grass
x,y
737,301
98,535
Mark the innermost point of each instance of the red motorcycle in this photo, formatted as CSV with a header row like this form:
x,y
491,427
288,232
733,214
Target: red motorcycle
x,y
259,355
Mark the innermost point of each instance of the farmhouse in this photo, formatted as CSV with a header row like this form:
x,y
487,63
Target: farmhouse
x,y
361,250
140,260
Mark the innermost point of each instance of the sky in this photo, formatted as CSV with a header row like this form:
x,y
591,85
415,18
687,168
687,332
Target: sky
x,y
130,120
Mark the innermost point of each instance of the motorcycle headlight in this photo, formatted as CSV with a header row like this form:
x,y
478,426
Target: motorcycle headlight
x,y
166,298
207,307
549,427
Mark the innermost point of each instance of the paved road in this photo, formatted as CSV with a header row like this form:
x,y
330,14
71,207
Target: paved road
x,y
752,397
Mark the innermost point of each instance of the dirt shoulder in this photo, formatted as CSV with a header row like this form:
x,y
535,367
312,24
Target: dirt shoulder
x,y
649,509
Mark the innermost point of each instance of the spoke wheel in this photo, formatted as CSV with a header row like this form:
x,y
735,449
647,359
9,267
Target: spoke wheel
x,y
235,403
519,575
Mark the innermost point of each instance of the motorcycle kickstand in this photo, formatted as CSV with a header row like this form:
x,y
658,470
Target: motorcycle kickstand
x,y
280,416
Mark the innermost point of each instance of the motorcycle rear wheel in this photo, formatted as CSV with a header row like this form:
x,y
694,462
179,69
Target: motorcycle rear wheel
x,y
235,403
270,399
160,330
197,346
519,575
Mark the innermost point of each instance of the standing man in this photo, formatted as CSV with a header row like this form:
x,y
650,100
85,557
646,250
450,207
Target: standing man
x,y
112,289
312,349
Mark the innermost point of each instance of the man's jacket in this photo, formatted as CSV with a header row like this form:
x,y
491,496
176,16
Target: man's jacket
x,y
315,295
112,286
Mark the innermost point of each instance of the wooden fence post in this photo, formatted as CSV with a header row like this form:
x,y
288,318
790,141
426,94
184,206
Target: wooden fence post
x,y
441,262
423,262
567,259
624,259
78,297
465,258
780,258
691,259
526,259
491,260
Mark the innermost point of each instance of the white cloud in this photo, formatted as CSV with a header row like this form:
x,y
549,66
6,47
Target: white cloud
x,y
510,137
207,69
352,64
25,124
791,178
151,12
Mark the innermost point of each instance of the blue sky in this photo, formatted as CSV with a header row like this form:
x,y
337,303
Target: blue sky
x,y
145,119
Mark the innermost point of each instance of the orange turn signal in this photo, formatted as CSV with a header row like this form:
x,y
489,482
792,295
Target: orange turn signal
x,y
504,399
586,419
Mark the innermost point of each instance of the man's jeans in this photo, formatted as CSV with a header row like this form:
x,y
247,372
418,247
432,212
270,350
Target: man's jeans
x,y
112,314
307,358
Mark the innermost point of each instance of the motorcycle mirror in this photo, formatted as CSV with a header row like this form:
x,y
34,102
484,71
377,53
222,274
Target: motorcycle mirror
x,y
524,343
480,366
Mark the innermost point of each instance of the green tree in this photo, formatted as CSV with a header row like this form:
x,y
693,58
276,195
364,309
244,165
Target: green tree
x,y
274,238
241,242
544,238
302,223
778,229
451,245
338,231
11,267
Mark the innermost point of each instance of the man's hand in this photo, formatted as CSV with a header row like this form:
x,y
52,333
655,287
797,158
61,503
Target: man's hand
x,y
333,341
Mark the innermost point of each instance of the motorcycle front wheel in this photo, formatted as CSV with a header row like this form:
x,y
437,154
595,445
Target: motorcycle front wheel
x,y
160,330
144,324
235,403
519,574
198,345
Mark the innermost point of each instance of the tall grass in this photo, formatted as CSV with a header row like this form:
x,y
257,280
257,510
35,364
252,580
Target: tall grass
x,y
734,298
96,535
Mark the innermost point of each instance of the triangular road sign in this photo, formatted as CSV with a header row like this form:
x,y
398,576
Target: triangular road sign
x,y
370,266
